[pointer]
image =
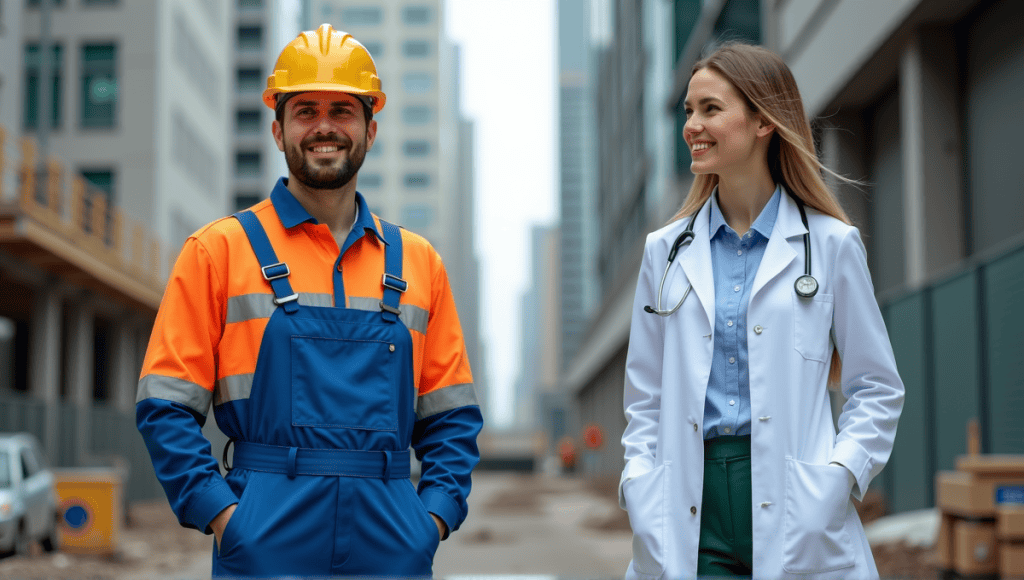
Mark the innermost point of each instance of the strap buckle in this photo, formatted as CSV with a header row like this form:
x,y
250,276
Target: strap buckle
x,y
394,283
390,309
270,276
283,300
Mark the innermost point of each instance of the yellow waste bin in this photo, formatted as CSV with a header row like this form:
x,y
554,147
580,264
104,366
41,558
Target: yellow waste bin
x,y
90,505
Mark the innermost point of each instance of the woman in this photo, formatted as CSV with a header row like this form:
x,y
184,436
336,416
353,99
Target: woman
x,y
733,464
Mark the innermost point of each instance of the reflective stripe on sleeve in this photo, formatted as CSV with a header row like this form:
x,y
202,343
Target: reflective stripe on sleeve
x,y
445,399
254,306
414,317
233,388
189,394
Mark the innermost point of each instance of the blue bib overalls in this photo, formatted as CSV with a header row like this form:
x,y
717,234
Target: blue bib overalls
x,y
321,468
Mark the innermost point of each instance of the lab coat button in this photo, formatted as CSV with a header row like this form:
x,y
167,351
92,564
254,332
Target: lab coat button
x,y
758,329
693,510
694,426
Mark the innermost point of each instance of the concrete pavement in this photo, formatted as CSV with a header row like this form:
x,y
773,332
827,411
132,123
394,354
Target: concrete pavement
x,y
537,525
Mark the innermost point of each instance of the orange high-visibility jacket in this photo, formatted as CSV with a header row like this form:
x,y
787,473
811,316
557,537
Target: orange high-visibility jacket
x,y
209,328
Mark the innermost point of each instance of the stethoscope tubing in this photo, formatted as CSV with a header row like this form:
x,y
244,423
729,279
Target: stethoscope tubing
x,y
687,236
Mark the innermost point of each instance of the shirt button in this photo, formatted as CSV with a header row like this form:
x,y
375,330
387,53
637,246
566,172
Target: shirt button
x,y
758,329
693,510
735,288
739,252
732,360
727,430
728,323
733,402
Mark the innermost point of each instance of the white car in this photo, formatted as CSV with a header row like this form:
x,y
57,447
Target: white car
x,y
28,502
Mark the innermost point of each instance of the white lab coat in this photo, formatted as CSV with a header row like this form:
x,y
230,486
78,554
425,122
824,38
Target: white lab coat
x,y
804,523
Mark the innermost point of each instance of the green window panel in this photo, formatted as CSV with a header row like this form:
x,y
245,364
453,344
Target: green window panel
x,y
955,336
99,85
1004,325
32,68
911,479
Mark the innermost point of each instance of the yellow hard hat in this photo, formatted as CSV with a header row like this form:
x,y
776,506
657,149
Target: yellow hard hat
x,y
325,60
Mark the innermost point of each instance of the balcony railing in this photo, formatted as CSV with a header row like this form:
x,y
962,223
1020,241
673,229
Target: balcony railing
x,y
75,230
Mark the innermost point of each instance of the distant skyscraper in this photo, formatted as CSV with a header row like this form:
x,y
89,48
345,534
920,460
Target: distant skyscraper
x,y
577,168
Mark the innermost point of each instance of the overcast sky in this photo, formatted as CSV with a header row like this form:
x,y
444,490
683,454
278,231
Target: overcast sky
x,y
509,91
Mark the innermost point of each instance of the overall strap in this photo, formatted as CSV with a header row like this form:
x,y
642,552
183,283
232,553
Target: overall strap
x,y
274,272
392,281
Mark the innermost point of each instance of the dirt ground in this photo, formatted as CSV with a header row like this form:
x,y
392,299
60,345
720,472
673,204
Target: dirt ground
x,y
155,546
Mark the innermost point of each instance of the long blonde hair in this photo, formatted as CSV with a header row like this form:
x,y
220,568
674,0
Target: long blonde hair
x,y
765,82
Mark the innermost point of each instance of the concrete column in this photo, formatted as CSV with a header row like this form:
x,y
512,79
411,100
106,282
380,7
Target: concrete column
x,y
80,364
125,375
44,360
931,147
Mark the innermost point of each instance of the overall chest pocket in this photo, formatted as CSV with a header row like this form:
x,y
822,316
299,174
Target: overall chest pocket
x,y
340,383
812,322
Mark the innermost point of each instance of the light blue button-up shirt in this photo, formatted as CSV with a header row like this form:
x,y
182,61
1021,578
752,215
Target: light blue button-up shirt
x,y
734,261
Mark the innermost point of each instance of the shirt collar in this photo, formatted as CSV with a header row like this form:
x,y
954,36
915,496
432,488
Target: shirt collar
x,y
762,225
291,212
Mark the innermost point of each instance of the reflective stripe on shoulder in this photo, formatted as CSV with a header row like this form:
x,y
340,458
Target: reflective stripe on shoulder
x,y
187,393
254,306
233,388
414,317
445,399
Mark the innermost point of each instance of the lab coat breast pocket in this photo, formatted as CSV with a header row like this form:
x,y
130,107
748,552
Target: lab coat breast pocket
x,y
812,322
645,503
816,537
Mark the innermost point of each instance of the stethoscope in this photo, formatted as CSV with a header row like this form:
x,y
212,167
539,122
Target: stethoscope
x,y
806,286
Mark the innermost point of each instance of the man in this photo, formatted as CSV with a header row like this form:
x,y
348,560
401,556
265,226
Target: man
x,y
328,342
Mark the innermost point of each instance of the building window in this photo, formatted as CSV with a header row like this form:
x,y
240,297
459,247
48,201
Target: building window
x,y
99,85
250,80
35,3
376,49
98,183
32,65
370,180
250,3
417,180
100,2
417,115
416,148
416,15
364,16
247,164
250,37
247,121
418,215
417,83
416,48
246,200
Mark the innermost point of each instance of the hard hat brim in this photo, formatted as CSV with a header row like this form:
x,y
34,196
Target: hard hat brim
x,y
270,95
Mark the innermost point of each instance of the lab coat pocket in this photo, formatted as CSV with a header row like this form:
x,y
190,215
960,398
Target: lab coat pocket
x,y
645,504
812,321
816,535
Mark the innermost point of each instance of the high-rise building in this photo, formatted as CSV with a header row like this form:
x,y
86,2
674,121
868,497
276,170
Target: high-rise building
x,y
536,388
259,32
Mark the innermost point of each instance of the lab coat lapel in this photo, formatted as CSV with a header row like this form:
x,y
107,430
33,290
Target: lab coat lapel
x,y
779,252
696,263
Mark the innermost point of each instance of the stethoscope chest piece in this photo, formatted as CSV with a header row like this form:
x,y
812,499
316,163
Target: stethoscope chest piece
x,y
806,286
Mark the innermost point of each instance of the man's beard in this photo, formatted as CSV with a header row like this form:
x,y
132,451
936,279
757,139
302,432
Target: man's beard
x,y
316,177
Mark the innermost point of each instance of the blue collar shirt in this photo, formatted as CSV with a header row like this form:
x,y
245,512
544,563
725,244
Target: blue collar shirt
x,y
734,261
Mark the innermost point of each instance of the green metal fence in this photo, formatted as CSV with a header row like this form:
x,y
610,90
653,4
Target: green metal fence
x,y
959,345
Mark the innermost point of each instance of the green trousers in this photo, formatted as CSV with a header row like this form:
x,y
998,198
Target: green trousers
x,y
726,535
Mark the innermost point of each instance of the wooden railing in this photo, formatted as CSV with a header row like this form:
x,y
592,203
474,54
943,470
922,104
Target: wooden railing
x,y
81,216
